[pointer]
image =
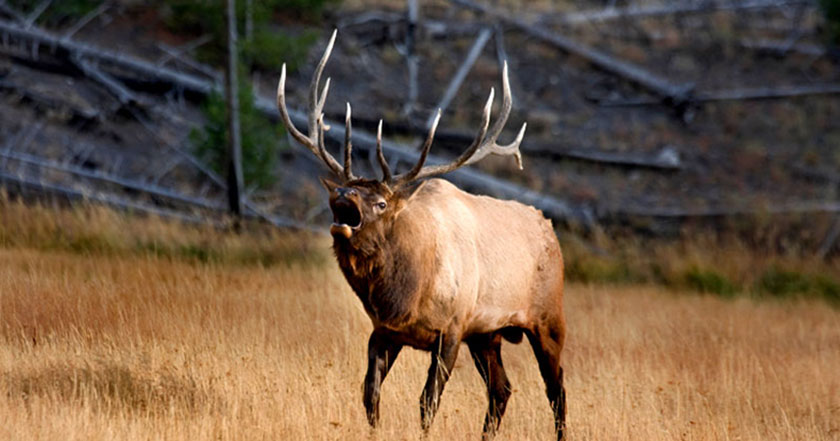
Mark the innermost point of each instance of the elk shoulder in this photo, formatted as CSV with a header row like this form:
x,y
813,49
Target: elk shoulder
x,y
495,262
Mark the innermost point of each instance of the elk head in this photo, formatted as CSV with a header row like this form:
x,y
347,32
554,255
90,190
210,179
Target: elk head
x,y
365,208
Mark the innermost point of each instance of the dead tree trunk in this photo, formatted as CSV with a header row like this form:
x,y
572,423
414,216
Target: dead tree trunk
x,y
411,57
461,74
234,156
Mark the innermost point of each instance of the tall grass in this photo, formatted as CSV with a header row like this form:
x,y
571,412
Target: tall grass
x,y
118,343
724,264
95,230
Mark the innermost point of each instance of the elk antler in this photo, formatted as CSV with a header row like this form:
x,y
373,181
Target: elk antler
x,y
483,145
386,169
315,140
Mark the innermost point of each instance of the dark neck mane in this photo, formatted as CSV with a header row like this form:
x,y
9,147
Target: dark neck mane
x,y
383,277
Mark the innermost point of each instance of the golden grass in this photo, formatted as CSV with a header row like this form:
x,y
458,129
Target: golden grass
x,y
130,346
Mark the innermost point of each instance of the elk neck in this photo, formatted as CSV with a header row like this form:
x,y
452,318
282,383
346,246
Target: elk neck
x,y
380,268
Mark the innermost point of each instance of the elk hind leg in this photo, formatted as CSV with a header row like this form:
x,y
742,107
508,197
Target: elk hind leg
x,y
382,353
487,355
547,342
444,353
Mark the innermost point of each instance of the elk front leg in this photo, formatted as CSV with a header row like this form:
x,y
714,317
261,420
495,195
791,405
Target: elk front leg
x,y
382,353
443,360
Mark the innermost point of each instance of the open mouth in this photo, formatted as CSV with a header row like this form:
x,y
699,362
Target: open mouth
x,y
346,213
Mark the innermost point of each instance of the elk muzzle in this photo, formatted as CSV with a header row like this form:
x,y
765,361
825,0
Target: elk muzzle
x,y
347,214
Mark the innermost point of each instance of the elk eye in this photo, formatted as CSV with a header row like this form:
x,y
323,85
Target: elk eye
x,y
381,205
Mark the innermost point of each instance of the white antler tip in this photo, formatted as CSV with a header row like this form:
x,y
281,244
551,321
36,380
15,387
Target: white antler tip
x,y
436,121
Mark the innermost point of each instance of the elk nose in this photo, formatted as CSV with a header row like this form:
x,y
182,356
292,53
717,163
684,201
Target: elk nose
x,y
346,192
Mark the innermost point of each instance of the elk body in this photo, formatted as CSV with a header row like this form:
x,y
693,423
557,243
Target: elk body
x,y
435,266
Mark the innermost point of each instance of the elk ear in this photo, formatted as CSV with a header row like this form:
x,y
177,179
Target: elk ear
x,y
404,196
329,184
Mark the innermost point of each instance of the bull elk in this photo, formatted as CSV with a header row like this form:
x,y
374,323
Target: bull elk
x,y
435,266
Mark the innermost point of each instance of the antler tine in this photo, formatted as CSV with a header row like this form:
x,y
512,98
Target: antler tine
x,y
315,140
316,102
348,147
490,146
484,143
427,145
386,169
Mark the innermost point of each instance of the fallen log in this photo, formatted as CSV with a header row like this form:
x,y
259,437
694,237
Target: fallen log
x,y
798,207
124,96
643,11
78,113
65,47
783,47
675,94
552,206
665,159
130,184
113,201
747,93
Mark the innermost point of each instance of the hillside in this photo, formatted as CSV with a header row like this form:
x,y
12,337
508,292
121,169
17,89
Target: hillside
x,y
600,143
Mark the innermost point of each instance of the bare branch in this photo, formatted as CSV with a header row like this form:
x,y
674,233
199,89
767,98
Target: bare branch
x,y
462,72
36,13
87,18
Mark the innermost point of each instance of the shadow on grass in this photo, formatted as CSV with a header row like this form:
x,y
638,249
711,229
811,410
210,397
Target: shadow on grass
x,y
110,388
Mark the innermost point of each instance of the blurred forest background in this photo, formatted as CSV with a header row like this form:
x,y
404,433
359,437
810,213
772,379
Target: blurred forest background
x,y
693,143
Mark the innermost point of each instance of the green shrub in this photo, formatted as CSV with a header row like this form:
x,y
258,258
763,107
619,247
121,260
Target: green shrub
x,y
831,11
602,271
268,50
260,138
780,282
269,46
709,281
828,288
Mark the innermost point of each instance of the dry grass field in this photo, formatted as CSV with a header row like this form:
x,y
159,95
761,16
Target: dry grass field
x,y
100,341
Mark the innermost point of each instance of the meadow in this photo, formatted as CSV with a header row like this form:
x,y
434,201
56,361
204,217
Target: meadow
x,y
114,327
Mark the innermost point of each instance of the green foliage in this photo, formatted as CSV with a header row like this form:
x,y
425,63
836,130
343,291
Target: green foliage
x,y
828,288
709,281
780,282
269,50
269,46
260,138
831,11
595,270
